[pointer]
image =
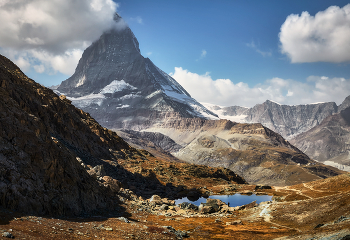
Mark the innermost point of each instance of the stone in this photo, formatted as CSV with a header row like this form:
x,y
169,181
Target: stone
x,y
123,219
260,187
217,202
248,206
227,209
205,209
7,235
237,222
156,200
112,183
187,205
164,207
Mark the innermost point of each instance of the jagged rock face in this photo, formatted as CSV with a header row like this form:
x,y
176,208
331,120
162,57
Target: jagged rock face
x,y
122,89
288,121
41,138
255,152
329,140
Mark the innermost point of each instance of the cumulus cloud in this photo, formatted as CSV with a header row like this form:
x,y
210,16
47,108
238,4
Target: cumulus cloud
x,y
51,35
285,91
255,47
324,37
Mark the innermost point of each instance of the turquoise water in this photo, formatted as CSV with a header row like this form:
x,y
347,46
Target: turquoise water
x,y
234,200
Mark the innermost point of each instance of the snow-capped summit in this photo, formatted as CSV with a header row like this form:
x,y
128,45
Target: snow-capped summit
x,y
122,89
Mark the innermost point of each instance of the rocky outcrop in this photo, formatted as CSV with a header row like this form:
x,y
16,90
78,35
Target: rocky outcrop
x,y
44,142
122,89
329,140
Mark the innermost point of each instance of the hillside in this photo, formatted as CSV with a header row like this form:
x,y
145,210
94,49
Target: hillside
x,y
328,141
253,151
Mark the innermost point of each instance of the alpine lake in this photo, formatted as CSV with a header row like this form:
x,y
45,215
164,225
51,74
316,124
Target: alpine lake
x,y
231,200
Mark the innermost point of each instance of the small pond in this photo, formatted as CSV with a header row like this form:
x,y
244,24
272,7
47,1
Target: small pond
x,y
234,200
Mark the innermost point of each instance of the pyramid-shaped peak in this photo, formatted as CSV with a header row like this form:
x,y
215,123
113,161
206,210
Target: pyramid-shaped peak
x,y
118,86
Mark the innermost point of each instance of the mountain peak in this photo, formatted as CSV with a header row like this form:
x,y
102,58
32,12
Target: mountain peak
x,y
120,88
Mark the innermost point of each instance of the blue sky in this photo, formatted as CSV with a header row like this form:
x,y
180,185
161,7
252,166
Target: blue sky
x,y
176,32
222,52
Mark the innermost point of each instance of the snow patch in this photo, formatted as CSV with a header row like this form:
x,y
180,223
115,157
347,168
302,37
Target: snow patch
x,y
222,114
153,94
116,86
81,81
123,106
87,100
177,96
129,96
315,103
275,102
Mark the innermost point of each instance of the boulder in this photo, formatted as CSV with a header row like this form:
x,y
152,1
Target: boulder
x,y
187,205
206,209
156,200
112,183
237,222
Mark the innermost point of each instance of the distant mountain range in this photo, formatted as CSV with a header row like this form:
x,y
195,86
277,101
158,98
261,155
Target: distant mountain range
x,y
288,121
320,130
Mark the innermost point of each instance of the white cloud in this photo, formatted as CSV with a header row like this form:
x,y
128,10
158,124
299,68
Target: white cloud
x,y
52,34
324,37
255,47
138,19
226,93
39,68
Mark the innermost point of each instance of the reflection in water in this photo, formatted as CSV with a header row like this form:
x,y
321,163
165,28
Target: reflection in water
x,y
232,200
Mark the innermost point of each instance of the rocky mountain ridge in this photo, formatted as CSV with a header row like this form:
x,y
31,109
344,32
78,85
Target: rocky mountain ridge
x,y
288,121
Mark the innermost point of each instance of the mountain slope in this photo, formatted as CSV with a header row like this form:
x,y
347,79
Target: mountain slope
x,y
329,140
41,138
122,89
255,152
